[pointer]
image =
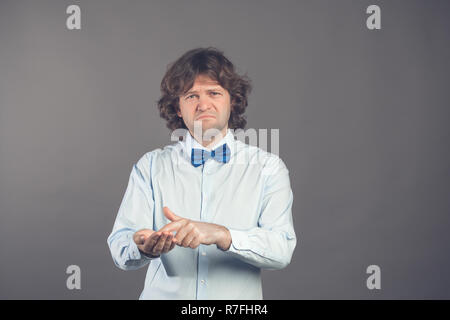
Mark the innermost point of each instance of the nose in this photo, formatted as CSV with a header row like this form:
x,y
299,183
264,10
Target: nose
x,y
203,103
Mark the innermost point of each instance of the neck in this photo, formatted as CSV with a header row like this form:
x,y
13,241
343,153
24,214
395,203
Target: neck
x,y
213,140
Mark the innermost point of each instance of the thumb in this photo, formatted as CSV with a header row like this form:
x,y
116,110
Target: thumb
x,y
139,238
170,215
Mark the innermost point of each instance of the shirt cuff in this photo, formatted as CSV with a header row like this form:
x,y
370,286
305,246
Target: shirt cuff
x,y
239,241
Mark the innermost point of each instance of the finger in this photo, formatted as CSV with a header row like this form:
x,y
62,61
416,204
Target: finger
x,y
159,245
183,232
188,239
143,232
174,226
170,215
138,236
151,241
138,239
194,243
148,243
174,242
154,237
167,244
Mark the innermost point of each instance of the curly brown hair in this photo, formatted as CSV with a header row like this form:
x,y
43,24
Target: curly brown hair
x,y
181,75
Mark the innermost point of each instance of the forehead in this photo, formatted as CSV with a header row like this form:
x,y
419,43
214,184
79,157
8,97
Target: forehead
x,y
205,82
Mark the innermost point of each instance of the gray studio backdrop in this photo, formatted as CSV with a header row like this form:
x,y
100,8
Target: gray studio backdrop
x,y
364,130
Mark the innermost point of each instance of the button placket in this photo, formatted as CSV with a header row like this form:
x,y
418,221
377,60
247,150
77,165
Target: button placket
x,y
202,274
202,269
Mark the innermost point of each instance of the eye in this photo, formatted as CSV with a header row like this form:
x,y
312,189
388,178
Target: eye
x,y
190,97
215,93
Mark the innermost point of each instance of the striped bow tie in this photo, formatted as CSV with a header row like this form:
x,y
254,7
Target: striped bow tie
x,y
221,154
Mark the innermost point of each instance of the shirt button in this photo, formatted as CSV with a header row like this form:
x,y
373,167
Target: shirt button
x,y
203,253
202,281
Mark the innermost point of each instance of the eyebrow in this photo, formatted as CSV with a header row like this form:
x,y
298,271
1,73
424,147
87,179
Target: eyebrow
x,y
209,89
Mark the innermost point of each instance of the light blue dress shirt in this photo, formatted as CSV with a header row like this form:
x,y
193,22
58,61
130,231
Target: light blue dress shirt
x,y
250,195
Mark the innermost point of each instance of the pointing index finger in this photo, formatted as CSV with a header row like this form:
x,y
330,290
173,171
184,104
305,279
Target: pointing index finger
x,y
173,226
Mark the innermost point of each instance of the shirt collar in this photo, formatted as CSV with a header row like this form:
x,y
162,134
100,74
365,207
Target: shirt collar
x,y
189,143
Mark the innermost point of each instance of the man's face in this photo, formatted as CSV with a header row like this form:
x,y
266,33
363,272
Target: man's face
x,y
206,102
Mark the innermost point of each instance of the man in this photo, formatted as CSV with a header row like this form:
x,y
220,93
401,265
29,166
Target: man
x,y
209,212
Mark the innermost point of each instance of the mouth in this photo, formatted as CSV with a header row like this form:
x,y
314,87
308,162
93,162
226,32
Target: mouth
x,y
205,116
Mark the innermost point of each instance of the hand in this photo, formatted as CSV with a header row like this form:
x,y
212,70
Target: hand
x,y
154,243
191,233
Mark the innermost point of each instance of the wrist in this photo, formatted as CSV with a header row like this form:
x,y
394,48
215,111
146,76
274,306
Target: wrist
x,y
148,255
224,242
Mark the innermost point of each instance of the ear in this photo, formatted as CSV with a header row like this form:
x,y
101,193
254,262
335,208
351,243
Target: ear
x,y
178,111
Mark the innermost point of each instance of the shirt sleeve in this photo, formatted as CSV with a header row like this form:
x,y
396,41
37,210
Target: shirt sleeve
x,y
135,213
271,243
